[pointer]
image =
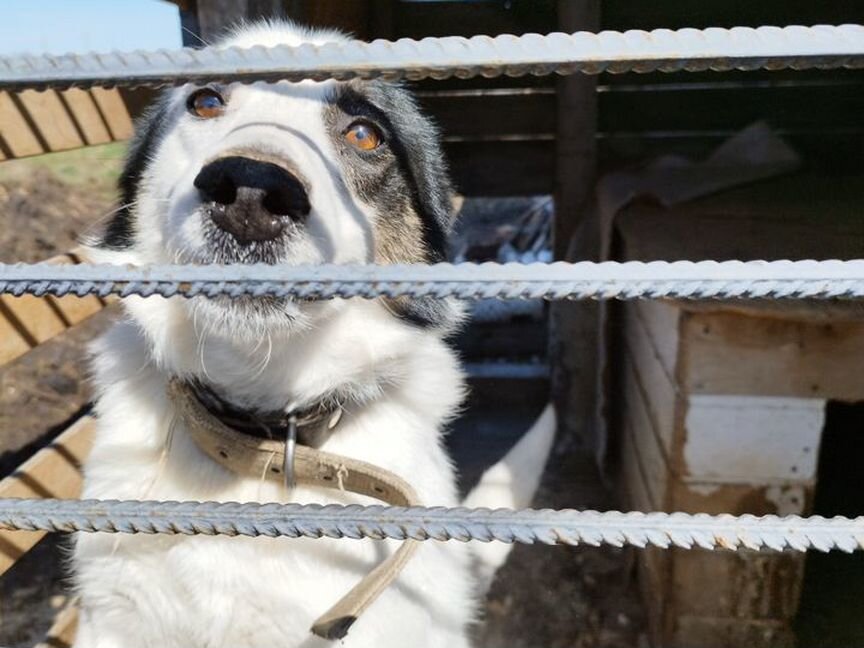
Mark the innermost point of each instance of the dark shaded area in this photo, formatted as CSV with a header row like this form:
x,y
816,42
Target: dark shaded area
x,y
566,597
33,591
830,615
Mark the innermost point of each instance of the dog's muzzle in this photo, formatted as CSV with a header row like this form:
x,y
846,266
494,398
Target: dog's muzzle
x,y
252,200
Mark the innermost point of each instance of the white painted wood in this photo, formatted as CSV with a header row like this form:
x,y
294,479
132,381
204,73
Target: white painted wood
x,y
659,320
752,439
645,439
657,384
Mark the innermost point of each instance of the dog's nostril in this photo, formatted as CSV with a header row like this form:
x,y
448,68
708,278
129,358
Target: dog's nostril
x,y
215,186
256,198
288,199
224,192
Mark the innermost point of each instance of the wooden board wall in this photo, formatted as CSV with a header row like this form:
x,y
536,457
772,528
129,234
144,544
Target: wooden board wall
x,y
723,412
33,123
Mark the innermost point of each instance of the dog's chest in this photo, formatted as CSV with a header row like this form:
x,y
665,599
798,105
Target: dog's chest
x,y
244,592
214,592
203,591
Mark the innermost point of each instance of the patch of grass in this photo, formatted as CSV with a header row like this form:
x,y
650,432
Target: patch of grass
x,y
95,168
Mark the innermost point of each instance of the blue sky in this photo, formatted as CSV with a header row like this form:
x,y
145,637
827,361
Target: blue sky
x,y
61,26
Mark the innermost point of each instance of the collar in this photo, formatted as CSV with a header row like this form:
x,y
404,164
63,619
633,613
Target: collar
x,y
313,425
262,457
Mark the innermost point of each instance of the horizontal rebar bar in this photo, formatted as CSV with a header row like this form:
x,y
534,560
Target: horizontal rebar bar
x,y
526,526
584,280
742,48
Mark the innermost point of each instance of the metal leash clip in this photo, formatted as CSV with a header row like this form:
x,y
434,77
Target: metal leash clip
x,y
290,448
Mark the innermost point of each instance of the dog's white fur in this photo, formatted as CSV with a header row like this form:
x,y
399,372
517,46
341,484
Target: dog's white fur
x,y
188,592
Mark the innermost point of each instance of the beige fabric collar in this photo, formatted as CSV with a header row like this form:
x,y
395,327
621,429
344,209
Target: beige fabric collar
x,y
263,458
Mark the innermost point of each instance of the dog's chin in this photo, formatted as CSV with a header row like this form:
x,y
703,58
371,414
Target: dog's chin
x,y
222,248
247,318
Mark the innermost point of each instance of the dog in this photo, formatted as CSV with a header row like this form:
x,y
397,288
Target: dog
x,y
284,173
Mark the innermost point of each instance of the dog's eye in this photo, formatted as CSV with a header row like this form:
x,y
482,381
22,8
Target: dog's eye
x,y
363,136
206,103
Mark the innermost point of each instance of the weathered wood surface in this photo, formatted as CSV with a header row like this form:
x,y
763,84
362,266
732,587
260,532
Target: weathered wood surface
x,y
33,123
28,321
739,354
575,326
62,631
87,116
17,139
714,419
53,472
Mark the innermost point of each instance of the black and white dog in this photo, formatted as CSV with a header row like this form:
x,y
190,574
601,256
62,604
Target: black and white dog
x,y
286,173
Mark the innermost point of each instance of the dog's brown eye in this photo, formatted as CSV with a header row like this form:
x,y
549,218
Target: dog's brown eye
x,y
206,103
363,136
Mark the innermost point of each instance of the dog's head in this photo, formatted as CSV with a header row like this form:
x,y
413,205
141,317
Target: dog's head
x,y
287,173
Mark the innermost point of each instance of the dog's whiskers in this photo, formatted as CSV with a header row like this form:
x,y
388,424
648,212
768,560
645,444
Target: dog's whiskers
x,y
267,357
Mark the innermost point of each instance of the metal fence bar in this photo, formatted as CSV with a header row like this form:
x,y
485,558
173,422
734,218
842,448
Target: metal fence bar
x,y
525,526
584,280
666,50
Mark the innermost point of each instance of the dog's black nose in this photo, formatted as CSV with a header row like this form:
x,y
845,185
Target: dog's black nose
x,y
250,199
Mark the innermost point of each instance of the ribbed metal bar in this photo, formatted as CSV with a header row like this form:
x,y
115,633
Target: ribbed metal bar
x,y
741,48
585,280
526,526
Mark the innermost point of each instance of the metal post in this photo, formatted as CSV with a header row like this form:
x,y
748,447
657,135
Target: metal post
x,y
574,327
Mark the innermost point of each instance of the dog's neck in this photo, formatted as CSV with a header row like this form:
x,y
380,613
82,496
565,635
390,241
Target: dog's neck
x,y
357,355
314,423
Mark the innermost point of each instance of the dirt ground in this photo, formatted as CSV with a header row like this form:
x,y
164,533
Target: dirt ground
x,y
46,203
545,597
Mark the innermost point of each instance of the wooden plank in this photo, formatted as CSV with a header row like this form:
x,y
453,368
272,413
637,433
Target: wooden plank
x,y
351,17
51,118
74,309
653,566
645,493
62,631
502,168
637,490
52,472
215,17
28,321
713,590
827,152
730,353
576,338
740,499
114,112
740,585
17,136
643,107
659,387
576,155
752,439
658,322
13,343
86,115
481,113
707,632
419,19
34,317
721,13
646,439
800,216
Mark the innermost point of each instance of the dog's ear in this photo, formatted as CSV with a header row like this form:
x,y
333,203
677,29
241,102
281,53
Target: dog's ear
x,y
417,146
118,233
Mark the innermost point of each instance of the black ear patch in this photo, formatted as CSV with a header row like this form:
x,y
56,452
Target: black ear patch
x,y
119,232
416,143
415,180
